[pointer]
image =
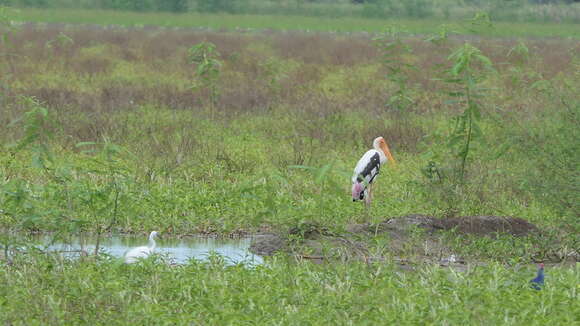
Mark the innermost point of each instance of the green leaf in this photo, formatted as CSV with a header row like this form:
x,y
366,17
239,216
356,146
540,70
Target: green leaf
x,y
476,130
501,150
484,59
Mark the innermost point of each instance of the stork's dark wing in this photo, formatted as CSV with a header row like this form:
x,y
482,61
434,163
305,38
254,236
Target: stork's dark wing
x,y
367,169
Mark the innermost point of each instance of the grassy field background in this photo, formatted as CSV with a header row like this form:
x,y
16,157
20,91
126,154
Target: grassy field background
x,y
117,130
347,24
181,162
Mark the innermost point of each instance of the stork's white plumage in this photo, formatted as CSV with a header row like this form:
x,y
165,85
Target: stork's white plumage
x,y
133,255
367,169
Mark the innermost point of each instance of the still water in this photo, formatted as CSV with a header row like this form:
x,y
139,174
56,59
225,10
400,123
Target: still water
x,y
177,250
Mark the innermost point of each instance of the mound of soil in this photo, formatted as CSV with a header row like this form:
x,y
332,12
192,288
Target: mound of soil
x,y
267,244
398,230
487,225
397,226
477,225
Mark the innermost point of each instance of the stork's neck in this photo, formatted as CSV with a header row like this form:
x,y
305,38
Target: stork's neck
x,y
382,154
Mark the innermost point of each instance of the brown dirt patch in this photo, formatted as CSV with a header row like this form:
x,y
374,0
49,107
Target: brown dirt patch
x,y
267,244
476,225
487,225
318,244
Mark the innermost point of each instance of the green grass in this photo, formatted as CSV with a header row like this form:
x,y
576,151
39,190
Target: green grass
x,y
288,23
176,165
40,290
243,168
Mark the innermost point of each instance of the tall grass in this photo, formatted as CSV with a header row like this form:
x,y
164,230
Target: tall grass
x,y
50,292
284,100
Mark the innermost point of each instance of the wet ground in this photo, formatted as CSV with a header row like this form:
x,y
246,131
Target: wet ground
x,y
409,241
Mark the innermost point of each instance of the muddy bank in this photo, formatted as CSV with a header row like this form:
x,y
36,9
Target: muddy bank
x,y
406,238
476,225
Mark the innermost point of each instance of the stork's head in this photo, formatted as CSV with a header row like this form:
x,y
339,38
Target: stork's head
x,y
356,190
381,145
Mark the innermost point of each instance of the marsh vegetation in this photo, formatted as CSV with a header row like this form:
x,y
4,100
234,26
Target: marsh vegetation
x,y
108,130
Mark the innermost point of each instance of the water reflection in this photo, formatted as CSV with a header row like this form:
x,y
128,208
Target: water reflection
x,y
179,251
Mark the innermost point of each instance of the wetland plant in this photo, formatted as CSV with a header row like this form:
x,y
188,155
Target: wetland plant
x,y
208,66
464,76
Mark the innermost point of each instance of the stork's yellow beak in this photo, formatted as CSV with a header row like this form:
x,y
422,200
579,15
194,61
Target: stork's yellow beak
x,y
385,149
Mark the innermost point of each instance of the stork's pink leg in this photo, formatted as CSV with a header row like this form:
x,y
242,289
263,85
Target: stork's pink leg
x,y
368,197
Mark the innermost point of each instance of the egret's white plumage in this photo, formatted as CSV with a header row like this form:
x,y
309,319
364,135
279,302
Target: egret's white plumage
x,y
137,253
367,169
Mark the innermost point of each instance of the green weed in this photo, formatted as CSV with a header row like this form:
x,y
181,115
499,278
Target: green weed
x,y
39,289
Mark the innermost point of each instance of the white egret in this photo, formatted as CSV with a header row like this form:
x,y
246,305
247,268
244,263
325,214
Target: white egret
x,y
137,253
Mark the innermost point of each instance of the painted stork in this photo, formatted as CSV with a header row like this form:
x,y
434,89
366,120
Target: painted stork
x,y
367,169
133,255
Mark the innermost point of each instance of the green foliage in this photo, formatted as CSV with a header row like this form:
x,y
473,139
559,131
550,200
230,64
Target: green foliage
x,y
96,188
60,41
442,36
274,71
395,54
522,74
447,173
553,174
521,54
469,67
326,182
45,290
19,207
226,170
480,22
36,135
229,170
104,188
206,58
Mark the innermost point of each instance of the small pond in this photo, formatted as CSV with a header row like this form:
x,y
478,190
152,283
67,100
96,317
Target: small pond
x,y
178,250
